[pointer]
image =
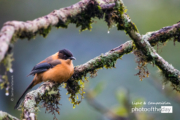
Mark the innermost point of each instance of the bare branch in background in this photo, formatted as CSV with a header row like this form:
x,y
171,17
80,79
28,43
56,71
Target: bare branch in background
x,y
105,111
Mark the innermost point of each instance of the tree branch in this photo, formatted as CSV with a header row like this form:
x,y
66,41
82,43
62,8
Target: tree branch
x,y
48,93
79,13
107,60
32,99
164,34
6,116
62,17
170,73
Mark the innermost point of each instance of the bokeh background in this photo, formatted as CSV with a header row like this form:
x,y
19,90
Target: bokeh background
x,y
148,15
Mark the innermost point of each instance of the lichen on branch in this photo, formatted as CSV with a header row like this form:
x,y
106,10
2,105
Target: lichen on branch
x,y
142,43
80,14
165,34
48,94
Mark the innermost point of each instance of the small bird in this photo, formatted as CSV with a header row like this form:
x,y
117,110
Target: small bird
x,y
58,68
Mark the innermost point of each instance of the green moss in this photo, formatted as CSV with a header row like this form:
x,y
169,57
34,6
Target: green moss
x,y
84,19
129,25
5,83
75,87
61,24
7,61
28,35
129,48
115,16
44,32
50,99
31,35
164,34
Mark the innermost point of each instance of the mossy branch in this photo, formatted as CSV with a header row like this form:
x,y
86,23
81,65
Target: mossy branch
x,y
48,93
79,13
165,34
74,85
6,116
141,42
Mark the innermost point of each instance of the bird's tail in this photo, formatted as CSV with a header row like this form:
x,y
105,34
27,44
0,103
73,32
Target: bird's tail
x,y
23,95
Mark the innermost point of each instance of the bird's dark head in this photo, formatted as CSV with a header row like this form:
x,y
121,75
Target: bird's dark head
x,y
66,54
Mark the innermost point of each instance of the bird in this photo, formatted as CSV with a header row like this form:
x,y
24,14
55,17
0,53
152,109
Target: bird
x,y
57,68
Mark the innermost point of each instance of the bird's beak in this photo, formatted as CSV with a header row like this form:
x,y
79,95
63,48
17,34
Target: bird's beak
x,y
72,58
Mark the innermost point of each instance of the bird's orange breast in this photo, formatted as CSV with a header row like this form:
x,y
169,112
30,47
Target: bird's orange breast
x,y
59,73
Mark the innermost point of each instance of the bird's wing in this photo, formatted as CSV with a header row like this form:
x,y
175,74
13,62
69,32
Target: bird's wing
x,y
42,67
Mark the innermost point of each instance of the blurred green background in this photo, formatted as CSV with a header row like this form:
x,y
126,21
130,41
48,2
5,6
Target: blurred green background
x,y
148,15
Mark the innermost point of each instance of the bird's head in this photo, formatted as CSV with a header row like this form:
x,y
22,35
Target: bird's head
x,y
65,54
